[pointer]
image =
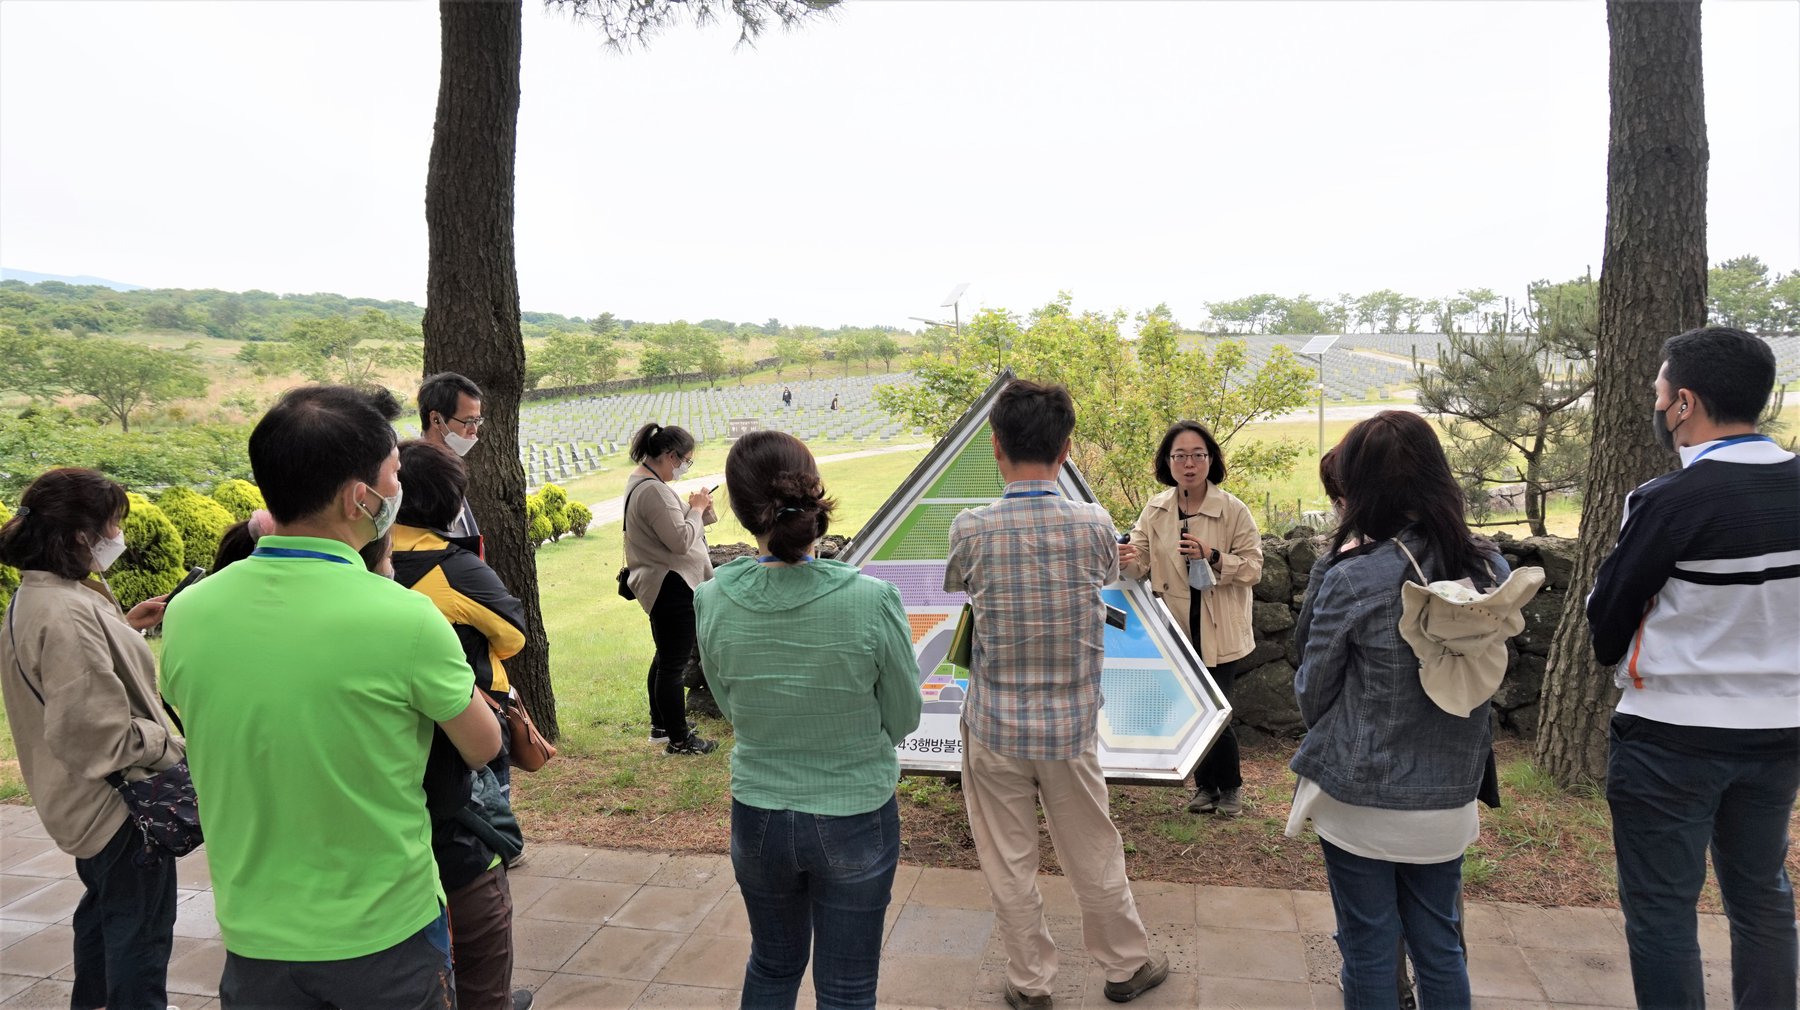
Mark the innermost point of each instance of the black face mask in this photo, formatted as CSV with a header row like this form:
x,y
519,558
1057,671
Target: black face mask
x,y
1665,435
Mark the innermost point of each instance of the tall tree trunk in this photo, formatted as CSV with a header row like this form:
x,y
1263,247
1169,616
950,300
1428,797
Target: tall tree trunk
x,y
1652,286
472,295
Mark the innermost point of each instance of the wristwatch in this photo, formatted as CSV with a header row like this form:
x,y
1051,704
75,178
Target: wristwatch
x,y
1215,557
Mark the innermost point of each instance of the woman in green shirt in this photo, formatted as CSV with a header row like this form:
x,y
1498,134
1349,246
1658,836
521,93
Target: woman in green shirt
x,y
813,664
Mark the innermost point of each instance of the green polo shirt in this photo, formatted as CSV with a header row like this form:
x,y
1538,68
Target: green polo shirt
x,y
309,687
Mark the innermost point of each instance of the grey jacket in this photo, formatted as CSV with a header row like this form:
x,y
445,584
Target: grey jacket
x,y
1373,737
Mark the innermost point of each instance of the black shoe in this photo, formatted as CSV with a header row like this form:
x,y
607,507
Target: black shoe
x,y
1147,978
1205,801
659,735
1231,802
1019,1001
521,999
694,744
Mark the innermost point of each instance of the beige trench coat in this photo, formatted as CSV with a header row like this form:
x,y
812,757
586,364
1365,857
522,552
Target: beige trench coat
x,y
1224,523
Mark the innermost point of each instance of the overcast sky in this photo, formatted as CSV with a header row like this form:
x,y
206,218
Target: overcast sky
x,y
854,171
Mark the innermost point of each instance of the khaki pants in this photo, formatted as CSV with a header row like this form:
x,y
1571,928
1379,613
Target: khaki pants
x,y
1003,795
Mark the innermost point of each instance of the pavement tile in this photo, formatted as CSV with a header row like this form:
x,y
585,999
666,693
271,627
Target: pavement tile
x,y
525,890
925,930
16,886
1059,895
905,877
923,980
623,867
193,871
543,944
573,992
52,862
941,888
195,917
1313,912
12,985
685,997
711,961
551,859
674,909
621,952
198,970
49,904
1247,908
590,901
1162,903
1715,938
1180,943
710,873
42,954
1582,976
46,995
1500,971
730,918
1326,997
14,849
14,930
1241,994
1563,929
1251,953
1486,924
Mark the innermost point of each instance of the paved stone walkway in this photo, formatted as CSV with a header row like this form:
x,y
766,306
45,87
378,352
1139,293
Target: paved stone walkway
x,y
597,929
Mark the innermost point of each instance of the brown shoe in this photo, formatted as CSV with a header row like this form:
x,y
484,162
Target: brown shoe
x,y
1019,1001
1147,978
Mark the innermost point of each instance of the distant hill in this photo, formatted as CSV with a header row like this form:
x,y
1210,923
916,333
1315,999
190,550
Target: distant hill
x,y
33,277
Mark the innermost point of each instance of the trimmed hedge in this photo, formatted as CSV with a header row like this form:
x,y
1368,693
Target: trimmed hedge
x,y
152,562
201,520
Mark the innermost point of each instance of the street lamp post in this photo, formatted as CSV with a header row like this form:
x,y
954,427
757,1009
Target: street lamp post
x,y
1315,349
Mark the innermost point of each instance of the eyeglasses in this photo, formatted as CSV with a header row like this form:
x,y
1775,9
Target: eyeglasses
x,y
1188,457
471,422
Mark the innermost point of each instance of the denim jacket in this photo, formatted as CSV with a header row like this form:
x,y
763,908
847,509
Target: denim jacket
x,y
1373,737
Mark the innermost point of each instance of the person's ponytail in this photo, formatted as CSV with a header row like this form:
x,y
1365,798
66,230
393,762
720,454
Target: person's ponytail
x,y
776,493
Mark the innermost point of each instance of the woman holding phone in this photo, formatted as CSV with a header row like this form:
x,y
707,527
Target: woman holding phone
x,y
1201,550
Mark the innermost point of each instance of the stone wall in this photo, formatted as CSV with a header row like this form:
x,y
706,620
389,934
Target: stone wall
x,y
1264,698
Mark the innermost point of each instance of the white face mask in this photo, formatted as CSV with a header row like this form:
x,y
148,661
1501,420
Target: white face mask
x,y
384,519
683,467
106,552
459,444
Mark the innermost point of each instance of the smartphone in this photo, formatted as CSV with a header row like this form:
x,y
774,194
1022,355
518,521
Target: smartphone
x,y
1124,538
195,574
715,487
1115,617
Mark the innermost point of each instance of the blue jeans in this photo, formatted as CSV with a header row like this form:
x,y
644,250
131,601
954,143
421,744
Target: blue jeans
x,y
1378,903
814,884
124,927
1673,790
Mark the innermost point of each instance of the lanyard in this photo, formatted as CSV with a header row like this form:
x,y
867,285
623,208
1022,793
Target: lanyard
x,y
1723,442
1027,494
295,552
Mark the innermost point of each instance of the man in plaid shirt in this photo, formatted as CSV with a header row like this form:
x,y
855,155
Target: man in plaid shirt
x,y
1033,565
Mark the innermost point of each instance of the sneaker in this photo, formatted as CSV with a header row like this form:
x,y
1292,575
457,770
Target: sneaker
x,y
1019,1001
517,861
659,735
1231,803
1147,978
521,999
694,744
1205,801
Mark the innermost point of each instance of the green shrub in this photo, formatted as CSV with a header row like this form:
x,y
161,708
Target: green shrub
x,y
556,504
240,498
579,517
200,519
9,576
537,525
151,564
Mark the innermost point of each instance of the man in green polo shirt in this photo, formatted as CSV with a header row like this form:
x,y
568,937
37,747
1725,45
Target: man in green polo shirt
x,y
309,687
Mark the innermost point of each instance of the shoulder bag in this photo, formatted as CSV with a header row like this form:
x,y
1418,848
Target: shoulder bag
x,y
625,570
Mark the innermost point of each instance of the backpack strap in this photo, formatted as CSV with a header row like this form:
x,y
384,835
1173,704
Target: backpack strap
x,y
1423,581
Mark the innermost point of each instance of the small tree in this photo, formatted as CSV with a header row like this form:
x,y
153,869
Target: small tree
x,y
538,529
555,508
123,377
576,359
200,520
352,352
1523,398
579,518
152,562
239,497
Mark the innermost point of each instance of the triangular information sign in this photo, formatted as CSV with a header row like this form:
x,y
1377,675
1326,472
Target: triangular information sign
x,y
1162,710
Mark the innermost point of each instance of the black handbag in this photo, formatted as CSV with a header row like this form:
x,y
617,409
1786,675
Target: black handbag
x,y
163,806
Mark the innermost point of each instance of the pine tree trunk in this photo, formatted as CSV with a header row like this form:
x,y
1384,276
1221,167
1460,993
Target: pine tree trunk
x,y
472,295
1652,286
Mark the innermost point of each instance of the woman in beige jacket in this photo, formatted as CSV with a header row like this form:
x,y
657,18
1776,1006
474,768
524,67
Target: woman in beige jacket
x,y
1196,523
80,690
665,548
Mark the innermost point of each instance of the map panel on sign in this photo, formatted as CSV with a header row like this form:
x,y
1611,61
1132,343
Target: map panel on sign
x,y
1161,710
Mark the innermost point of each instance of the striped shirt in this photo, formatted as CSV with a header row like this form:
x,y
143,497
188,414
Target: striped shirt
x,y
1033,565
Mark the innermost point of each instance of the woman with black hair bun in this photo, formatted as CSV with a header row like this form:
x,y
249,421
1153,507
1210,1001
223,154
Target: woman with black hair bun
x,y
812,662
665,549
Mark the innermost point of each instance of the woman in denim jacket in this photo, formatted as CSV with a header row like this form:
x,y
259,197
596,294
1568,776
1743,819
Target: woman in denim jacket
x,y
1388,779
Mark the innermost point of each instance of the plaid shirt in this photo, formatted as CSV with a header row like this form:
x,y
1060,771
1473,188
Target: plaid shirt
x,y
1033,567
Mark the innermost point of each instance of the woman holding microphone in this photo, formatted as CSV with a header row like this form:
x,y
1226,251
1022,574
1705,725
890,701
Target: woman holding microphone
x,y
1201,550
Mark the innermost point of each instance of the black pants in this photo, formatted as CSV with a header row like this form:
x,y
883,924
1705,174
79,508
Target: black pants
x,y
1220,769
124,927
672,629
413,974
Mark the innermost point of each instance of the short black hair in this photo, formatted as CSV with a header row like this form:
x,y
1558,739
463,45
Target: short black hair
x,y
55,513
1732,372
314,439
433,482
1032,421
439,392
1215,473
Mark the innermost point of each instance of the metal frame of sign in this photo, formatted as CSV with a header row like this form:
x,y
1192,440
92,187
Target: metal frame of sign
x,y
1162,710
